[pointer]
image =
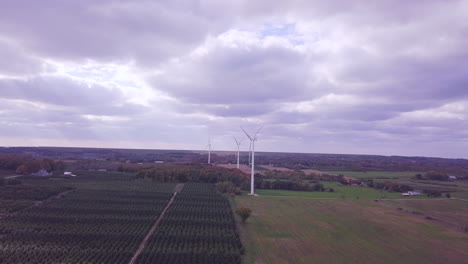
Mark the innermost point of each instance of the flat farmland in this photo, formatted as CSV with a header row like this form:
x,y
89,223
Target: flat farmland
x,y
375,174
285,230
448,213
340,192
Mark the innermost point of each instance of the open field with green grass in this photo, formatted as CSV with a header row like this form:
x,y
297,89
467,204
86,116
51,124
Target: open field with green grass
x,y
447,212
456,188
341,192
286,230
375,174
461,195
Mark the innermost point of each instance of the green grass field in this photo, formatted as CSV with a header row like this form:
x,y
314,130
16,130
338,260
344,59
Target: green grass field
x,y
456,188
375,174
286,230
341,192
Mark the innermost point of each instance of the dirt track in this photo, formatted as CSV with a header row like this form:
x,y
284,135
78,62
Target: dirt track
x,y
142,246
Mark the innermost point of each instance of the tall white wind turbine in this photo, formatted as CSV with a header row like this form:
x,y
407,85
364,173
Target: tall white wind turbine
x,y
238,147
250,151
209,151
252,171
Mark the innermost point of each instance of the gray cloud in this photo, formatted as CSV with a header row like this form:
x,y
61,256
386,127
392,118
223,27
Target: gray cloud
x,y
145,31
232,75
60,91
15,62
386,77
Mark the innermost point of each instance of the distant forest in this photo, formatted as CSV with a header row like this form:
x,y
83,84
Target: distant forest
x,y
91,158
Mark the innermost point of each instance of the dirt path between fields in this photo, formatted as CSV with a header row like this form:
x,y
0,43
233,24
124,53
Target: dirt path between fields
x,y
143,243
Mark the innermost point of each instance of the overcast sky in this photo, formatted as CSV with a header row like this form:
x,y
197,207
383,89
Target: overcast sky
x,y
360,76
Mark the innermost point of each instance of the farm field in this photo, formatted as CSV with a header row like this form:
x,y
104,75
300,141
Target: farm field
x,y
105,217
456,188
448,212
199,227
341,192
375,174
88,225
286,230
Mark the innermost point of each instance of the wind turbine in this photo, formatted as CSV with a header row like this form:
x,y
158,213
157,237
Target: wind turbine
x,y
250,151
209,151
252,171
238,146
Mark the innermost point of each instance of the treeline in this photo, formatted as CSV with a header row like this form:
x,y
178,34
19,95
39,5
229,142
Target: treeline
x,y
27,164
296,175
286,180
432,175
389,186
288,185
362,163
192,173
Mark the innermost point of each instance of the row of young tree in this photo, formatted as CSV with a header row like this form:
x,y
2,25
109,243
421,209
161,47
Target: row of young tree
x,y
90,225
198,228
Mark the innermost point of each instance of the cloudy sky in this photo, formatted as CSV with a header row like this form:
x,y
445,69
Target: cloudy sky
x,y
360,76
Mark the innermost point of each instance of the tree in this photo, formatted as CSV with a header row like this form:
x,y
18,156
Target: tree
x,y
227,187
22,169
244,213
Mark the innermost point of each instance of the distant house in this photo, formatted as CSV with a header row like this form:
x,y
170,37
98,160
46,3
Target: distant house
x,y
69,173
42,173
158,161
411,193
452,178
102,170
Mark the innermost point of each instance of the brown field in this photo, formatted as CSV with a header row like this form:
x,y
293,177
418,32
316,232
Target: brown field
x,y
271,167
317,172
242,167
285,230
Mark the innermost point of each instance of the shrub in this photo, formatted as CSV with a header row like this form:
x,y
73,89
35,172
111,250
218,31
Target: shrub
x,y
227,187
244,213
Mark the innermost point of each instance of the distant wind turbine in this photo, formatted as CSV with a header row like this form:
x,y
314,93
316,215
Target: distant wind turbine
x,y
209,151
252,171
238,146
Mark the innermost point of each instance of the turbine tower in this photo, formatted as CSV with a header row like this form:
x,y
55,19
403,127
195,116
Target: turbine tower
x,y
209,151
250,151
238,146
252,171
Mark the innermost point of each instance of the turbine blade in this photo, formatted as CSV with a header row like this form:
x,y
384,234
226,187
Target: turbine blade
x,y
247,134
255,136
